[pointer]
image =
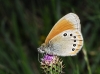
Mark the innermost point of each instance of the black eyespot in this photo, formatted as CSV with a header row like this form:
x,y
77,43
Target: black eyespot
x,y
74,40
43,50
74,36
70,34
74,45
65,34
73,49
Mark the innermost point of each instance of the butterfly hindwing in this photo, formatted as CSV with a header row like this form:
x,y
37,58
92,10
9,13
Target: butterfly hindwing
x,y
67,43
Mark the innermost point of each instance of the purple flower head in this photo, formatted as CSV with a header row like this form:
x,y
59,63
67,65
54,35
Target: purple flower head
x,y
48,59
51,64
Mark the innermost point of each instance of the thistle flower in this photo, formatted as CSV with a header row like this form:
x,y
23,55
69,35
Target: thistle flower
x,y
51,64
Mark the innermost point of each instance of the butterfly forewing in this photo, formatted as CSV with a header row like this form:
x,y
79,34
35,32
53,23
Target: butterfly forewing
x,y
68,22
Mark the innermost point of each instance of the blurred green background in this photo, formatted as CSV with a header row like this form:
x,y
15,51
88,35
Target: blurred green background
x,y
24,24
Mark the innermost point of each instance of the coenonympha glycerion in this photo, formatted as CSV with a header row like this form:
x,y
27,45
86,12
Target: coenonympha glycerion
x,y
65,38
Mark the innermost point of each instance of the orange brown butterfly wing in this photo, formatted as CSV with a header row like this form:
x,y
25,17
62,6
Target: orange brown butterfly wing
x,y
59,27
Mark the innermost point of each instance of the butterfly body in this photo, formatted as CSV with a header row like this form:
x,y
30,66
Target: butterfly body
x,y
65,38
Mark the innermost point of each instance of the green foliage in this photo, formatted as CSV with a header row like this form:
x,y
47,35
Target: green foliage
x,y
24,24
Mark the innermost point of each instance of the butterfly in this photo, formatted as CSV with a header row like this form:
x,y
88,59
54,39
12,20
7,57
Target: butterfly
x,y
65,38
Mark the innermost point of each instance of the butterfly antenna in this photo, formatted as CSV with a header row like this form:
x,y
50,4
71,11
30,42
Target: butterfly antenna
x,y
38,57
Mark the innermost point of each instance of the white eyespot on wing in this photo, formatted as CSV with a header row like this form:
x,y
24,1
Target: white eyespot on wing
x,y
74,19
67,43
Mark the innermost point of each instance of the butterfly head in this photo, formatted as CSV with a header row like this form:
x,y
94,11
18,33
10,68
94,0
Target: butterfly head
x,y
44,48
